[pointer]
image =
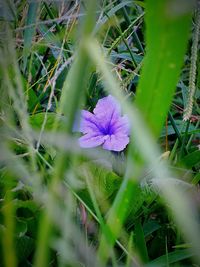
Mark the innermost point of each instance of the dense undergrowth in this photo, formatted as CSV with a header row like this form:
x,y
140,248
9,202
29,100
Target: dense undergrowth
x,y
105,204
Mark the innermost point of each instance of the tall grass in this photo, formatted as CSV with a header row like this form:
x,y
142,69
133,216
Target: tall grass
x,y
62,205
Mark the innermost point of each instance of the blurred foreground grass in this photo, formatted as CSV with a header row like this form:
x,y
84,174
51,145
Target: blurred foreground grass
x,y
62,205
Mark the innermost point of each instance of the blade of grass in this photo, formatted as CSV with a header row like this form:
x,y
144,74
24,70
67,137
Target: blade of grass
x,y
58,27
167,35
124,33
130,245
140,242
185,138
192,135
70,99
29,32
175,127
173,123
135,36
173,257
109,14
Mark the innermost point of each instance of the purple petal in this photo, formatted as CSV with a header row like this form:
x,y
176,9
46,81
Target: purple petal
x,y
106,107
116,142
120,125
88,123
106,110
90,140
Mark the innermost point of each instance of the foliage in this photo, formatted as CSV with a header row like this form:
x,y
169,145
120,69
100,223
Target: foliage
x,y
62,205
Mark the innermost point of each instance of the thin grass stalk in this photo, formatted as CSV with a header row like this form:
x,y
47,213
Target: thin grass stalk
x,y
173,123
135,36
123,34
128,48
51,15
192,135
185,138
130,245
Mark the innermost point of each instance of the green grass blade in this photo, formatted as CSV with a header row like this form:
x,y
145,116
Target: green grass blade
x,y
173,257
140,242
110,14
117,214
167,33
70,98
29,32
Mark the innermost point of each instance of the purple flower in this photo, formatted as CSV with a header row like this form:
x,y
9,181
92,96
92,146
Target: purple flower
x,y
105,126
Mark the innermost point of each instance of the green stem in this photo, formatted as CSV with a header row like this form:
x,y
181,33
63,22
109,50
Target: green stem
x,y
58,27
183,148
44,234
124,33
135,36
191,137
175,127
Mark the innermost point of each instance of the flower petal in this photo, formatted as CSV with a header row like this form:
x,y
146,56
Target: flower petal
x,y
120,125
106,106
116,142
88,123
90,140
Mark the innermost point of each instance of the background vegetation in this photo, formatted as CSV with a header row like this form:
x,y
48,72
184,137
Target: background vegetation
x,y
66,206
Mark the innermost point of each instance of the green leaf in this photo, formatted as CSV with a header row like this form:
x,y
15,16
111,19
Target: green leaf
x,y
32,100
172,257
51,40
167,32
29,31
124,55
150,227
24,247
192,159
28,204
139,3
104,183
196,179
21,228
181,128
110,14
36,120
140,242
128,194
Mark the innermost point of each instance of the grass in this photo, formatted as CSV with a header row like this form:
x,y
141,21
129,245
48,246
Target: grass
x,y
62,205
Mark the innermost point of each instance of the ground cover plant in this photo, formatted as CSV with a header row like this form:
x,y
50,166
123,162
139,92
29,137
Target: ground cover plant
x,y
99,133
